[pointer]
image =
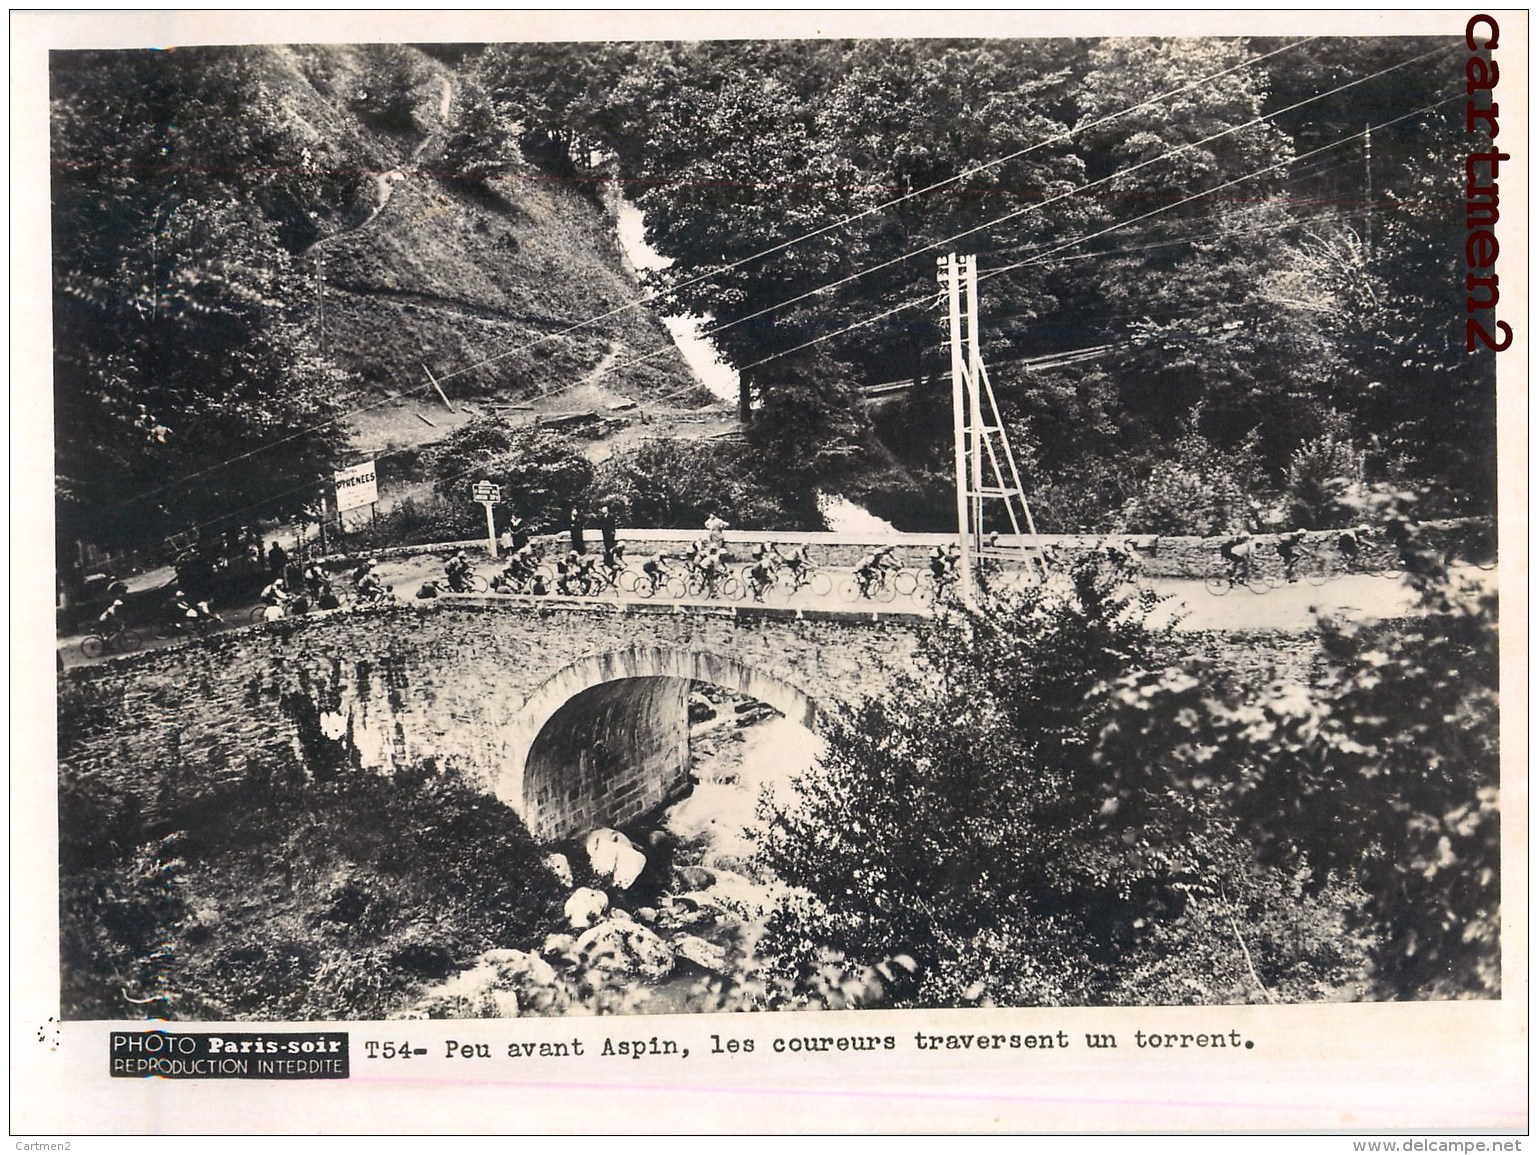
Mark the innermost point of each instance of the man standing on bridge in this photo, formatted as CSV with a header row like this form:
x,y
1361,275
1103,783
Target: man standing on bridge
x,y
607,527
575,521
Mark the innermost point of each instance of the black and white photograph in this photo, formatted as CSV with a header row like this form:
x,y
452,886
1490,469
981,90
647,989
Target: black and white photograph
x,y
642,526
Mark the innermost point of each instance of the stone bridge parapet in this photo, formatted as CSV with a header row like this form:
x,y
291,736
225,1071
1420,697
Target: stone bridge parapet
x,y
573,713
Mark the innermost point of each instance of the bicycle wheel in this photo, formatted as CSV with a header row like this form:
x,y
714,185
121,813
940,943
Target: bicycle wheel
x,y
630,582
1218,586
1258,584
128,641
93,646
849,590
904,582
256,617
476,584
676,587
731,589
883,593
820,584
1315,572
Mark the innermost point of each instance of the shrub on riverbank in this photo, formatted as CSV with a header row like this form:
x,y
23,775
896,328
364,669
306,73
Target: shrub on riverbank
x,y
290,900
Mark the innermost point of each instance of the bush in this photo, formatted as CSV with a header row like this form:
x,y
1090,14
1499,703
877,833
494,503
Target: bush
x,y
1322,477
542,474
1385,773
1198,489
669,483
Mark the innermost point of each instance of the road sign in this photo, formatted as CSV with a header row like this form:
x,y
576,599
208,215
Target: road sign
x,y
356,485
488,491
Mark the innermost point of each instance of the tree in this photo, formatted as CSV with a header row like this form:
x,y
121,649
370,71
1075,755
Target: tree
x,y
188,386
1386,772
672,483
542,474
960,821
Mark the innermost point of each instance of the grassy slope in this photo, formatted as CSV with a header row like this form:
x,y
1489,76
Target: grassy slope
x,y
451,273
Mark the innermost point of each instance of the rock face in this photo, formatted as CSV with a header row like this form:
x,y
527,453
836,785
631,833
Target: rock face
x,y
615,857
706,955
560,868
585,907
626,948
696,878
490,989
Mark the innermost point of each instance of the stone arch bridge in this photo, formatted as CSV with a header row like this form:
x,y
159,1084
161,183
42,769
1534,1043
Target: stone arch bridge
x,y
574,714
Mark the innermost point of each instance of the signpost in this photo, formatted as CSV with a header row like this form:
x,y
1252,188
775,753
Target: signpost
x,y
489,494
356,486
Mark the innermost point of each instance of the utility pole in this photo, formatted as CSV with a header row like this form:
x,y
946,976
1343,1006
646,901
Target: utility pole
x,y
979,433
320,298
1367,138
950,277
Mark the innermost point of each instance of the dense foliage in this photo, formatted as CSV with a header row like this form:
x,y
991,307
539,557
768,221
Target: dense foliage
x,y
1052,811
1197,206
1195,209
370,887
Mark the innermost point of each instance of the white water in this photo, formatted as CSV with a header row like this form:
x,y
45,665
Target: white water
x,y
841,514
844,516
687,332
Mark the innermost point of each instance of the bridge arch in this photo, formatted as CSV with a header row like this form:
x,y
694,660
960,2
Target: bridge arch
x,y
605,739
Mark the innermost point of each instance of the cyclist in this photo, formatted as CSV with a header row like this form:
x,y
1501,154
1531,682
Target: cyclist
x,y
868,571
944,561
1236,553
457,571
887,561
1124,553
1289,547
768,552
363,571
573,573
326,599
370,589
794,559
760,577
655,571
277,597
108,624
711,570
1349,545
1405,538
613,561
314,578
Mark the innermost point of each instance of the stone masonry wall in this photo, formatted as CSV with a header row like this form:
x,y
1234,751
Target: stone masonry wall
x,y
385,688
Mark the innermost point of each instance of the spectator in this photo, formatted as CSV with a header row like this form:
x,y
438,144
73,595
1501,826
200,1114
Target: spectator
x,y
607,527
277,560
575,521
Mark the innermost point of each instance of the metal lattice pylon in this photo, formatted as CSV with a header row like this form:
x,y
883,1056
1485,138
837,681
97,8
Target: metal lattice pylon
x,y
987,478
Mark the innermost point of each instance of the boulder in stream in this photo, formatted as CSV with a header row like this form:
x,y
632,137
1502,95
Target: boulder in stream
x,y
626,948
585,907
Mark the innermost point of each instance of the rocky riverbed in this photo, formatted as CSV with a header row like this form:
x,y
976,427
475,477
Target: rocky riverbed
x,y
658,909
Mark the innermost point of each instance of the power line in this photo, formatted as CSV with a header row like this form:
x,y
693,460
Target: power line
x,y
1039,205
1208,192
928,298
779,247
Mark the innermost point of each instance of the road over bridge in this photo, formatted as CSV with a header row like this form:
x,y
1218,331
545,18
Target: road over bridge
x,y
572,711
575,715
